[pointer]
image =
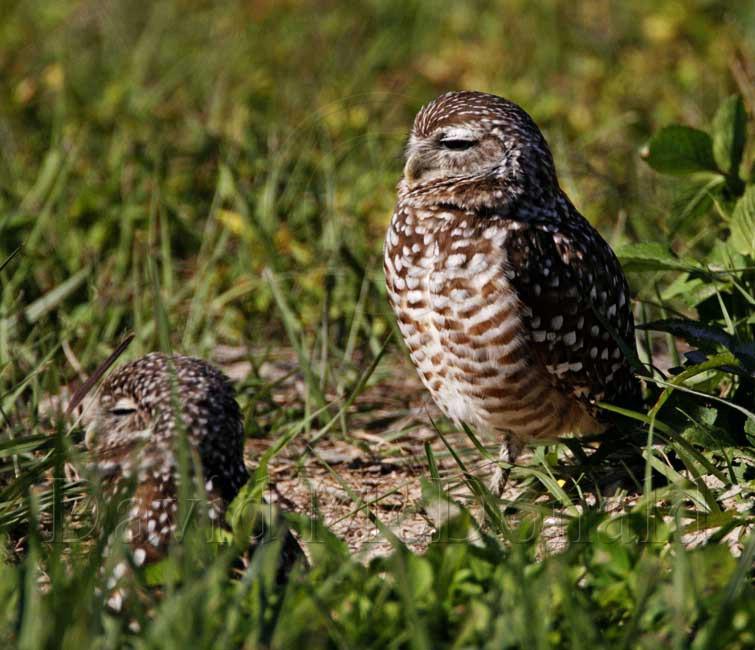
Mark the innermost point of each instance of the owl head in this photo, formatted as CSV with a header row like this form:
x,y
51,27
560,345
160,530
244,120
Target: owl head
x,y
467,136
145,404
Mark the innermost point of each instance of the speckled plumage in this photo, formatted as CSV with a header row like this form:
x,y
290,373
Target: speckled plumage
x,y
140,411
505,295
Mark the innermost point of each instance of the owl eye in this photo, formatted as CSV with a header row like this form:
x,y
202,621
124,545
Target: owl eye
x,y
458,144
120,412
123,406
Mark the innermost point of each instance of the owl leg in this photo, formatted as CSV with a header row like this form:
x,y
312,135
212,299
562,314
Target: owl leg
x,y
509,452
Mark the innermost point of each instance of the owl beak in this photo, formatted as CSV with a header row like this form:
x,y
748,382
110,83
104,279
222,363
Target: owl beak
x,y
414,168
90,434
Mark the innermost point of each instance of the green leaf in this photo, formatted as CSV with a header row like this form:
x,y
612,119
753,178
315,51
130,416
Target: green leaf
x,y
691,290
652,256
729,134
750,430
680,149
743,223
701,428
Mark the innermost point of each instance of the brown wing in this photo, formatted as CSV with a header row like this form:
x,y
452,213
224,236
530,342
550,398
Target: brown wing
x,y
572,284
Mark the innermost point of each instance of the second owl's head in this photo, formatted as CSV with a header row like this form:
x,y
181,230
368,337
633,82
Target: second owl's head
x,y
149,400
477,136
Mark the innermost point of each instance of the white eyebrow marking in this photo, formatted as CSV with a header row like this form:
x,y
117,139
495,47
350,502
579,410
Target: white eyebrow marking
x,y
458,133
124,404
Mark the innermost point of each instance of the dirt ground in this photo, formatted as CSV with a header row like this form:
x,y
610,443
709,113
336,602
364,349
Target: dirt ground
x,y
375,468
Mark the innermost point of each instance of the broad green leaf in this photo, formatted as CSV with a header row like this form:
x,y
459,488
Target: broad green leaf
x,y
690,290
729,134
701,425
680,149
743,223
726,256
652,256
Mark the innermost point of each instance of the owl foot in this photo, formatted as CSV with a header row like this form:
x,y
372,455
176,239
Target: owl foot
x,y
507,456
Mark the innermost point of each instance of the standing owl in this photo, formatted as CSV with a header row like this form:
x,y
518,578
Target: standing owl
x,y
513,307
134,434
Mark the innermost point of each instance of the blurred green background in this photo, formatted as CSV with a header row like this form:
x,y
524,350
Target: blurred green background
x,y
209,173
183,146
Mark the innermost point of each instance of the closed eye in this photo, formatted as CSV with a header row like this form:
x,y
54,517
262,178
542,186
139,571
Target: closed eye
x,y
120,412
124,406
457,144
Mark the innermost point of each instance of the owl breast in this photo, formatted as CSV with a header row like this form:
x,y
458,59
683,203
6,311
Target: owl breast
x,y
449,283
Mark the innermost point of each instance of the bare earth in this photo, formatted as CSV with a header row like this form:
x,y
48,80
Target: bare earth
x,y
376,467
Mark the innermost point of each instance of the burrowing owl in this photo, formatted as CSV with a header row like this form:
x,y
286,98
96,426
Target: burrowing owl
x,y
510,302
139,413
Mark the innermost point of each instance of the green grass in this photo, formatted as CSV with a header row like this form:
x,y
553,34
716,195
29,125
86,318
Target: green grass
x,y
211,174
